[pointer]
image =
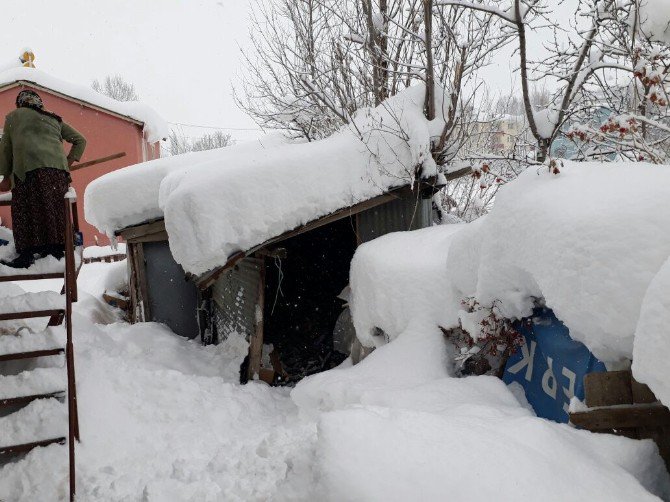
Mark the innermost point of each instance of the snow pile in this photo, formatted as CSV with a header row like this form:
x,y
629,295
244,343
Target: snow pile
x,y
397,427
103,251
33,382
651,351
129,196
655,20
393,276
223,202
163,418
155,128
370,453
589,241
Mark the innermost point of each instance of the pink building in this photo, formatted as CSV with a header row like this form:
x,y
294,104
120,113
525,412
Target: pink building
x,y
109,126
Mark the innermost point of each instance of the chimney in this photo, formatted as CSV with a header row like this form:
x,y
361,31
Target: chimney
x,y
27,58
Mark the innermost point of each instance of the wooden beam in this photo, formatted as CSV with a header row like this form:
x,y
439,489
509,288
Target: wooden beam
x,y
149,228
97,161
608,388
256,342
210,278
622,417
161,236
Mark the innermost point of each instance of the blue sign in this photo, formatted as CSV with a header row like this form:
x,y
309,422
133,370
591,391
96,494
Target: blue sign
x,y
549,365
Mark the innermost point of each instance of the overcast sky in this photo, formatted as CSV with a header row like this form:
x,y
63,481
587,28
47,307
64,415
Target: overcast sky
x,y
182,55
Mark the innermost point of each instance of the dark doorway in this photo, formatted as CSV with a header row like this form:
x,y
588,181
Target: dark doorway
x,y
301,298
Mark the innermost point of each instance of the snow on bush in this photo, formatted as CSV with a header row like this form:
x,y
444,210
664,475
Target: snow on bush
x,y
588,240
155,128
651,351
234,199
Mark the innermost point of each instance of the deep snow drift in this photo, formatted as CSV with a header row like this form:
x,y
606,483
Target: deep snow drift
x,y
232,199
591,241
164,419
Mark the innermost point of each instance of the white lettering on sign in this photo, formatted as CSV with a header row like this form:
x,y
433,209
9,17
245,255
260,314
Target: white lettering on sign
x,y
570,390
527,357
549,380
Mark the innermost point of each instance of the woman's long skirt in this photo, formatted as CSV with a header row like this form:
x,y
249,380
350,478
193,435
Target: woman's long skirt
x,y
38,212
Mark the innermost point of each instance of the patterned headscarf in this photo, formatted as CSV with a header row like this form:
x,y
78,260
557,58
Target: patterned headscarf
x,y
29,99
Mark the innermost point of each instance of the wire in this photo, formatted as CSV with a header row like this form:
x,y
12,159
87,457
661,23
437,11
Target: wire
x,y
216,127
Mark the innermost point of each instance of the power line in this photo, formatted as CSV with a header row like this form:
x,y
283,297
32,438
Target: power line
x,y
217,127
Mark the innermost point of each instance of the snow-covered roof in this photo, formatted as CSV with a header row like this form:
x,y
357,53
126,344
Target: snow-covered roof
x,y
591,241
221,202
155,127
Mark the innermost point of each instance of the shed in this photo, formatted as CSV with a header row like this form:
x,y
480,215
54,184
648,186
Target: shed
x,y
109,126
284,292
256,240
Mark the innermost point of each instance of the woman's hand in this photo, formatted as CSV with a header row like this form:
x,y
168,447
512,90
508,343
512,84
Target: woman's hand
x,y
5,185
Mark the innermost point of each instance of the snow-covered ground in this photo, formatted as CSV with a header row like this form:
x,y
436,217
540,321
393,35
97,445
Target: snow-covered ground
x,y
164,419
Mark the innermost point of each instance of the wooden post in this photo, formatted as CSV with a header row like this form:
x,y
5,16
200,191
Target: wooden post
x,y
256,342
70,288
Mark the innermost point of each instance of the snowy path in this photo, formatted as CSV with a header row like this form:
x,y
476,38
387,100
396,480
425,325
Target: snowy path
x,y
163,420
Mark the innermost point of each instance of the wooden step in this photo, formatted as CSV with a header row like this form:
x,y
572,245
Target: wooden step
x,y
31,277
31,354
23,400
26,447
31,314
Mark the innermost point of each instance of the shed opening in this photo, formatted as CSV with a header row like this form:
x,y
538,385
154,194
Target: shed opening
x,y
301,298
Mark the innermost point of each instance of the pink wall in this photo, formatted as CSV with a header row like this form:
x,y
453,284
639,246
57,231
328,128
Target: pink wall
x,y
105,134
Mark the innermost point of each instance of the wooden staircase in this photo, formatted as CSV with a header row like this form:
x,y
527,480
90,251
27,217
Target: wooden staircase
x,y
57,315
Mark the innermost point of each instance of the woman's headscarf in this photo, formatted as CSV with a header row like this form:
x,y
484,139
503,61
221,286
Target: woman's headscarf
x,y
30,99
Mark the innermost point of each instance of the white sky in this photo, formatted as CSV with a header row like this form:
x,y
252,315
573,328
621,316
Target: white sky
x,y
182,55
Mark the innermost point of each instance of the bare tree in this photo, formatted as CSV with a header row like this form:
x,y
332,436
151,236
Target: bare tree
x,y
115,87
180,143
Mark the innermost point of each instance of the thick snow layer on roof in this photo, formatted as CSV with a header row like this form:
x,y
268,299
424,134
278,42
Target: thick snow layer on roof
x,y
155,127
129,196
222,202
651,351
588,241
214,212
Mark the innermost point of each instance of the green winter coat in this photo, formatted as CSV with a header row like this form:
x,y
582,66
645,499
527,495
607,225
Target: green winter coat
x,y
32,140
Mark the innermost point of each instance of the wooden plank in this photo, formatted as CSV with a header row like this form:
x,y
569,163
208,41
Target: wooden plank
x,y
23,400
256,342
608,389
31,354
642,393
8,316
31,277
148,228
132,283
161,236
97,161
26,447
622,417
142,280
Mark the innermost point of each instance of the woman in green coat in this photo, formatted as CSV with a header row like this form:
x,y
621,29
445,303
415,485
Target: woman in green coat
x,y
35,168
